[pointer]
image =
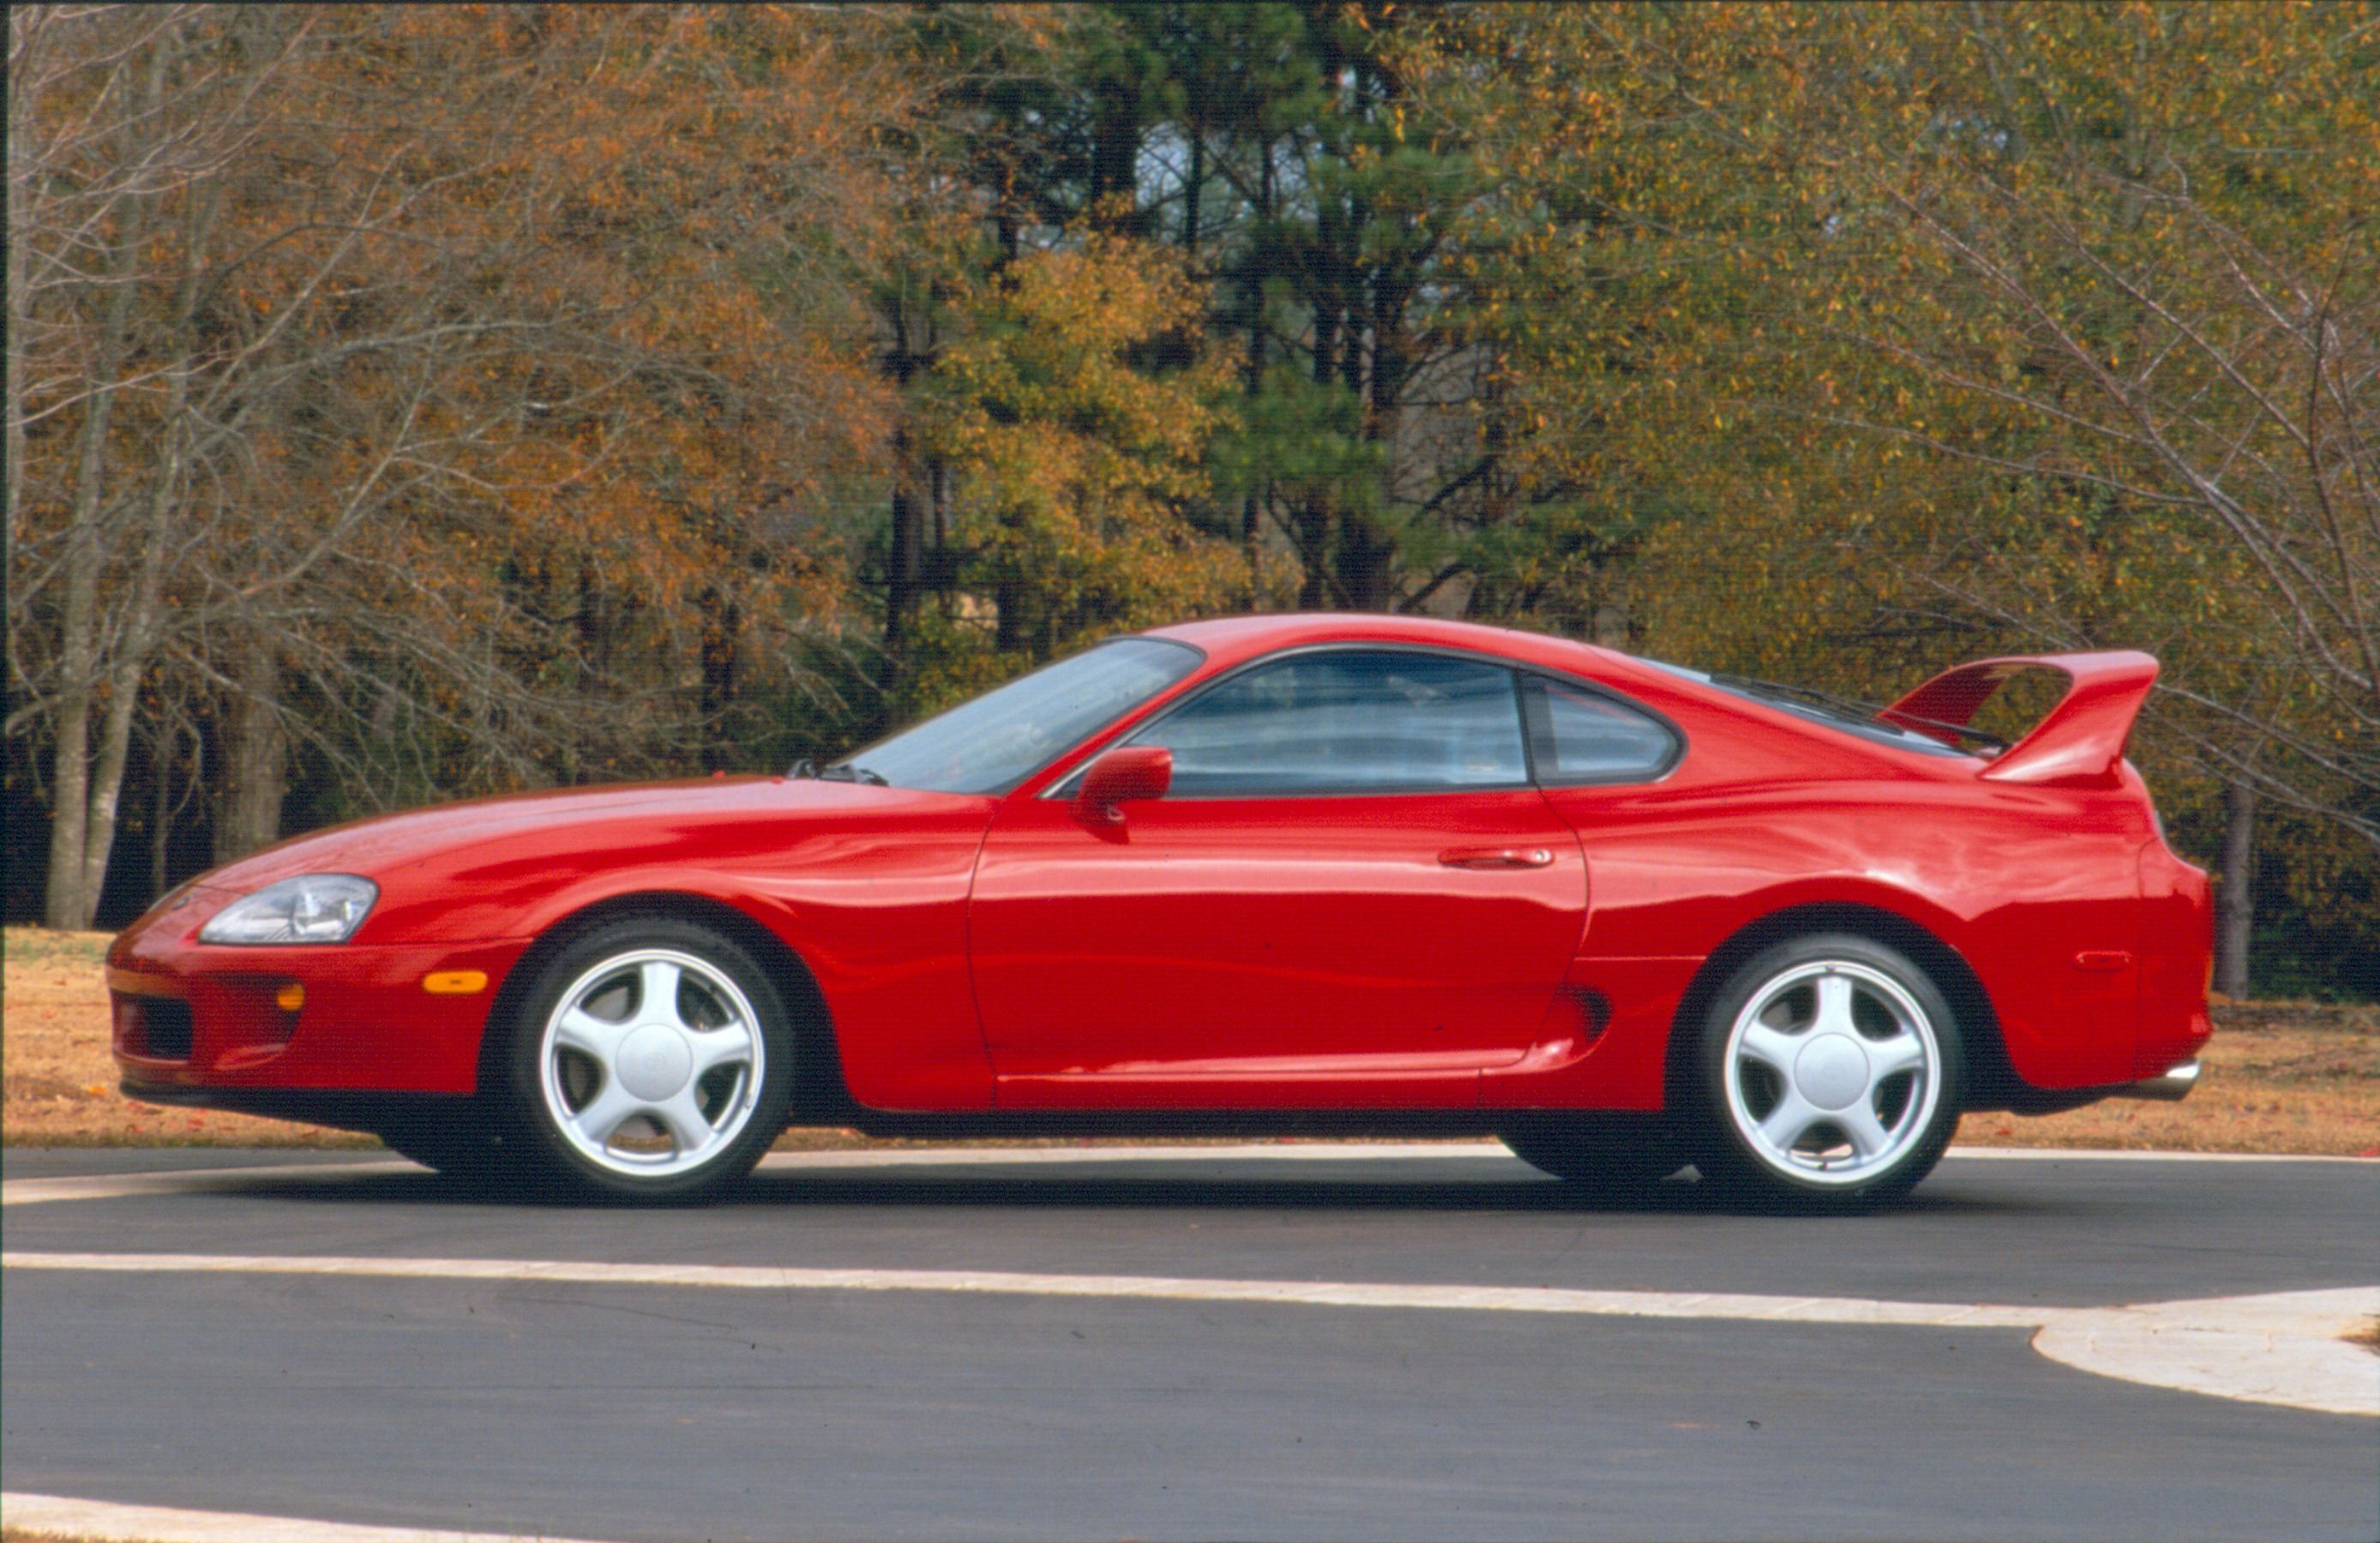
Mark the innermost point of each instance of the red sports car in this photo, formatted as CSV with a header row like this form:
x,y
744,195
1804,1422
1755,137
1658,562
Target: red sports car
x,y
1315,874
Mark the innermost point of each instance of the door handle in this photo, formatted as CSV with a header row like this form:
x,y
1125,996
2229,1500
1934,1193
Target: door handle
x,y
1497,856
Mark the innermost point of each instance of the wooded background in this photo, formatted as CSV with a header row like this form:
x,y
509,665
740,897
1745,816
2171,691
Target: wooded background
x,y
410,403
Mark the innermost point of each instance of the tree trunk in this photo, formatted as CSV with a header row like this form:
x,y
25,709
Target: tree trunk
x,y
83,805
2235,896
1009,633
144,617
256,759
107,769
905,554
1253,318
64,902
161,766
722,627
1191,187
1115,160
905,558
1366,564
23,57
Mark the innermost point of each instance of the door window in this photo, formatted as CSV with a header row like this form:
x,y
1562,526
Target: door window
x,y
1347,723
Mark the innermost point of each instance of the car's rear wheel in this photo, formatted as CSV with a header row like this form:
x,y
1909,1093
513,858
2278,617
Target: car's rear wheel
x,y
1613,1155
651,1059
1829,1076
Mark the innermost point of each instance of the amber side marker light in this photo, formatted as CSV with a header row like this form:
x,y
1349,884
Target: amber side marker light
x,y
290,997
455,983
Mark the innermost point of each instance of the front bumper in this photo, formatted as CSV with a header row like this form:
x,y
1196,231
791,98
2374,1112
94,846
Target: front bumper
x,y
195,1016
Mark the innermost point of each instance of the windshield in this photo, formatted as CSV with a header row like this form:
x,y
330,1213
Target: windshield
x,y
996,741
1818,707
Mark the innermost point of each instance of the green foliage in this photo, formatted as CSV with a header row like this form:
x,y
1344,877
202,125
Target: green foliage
x,y
1829,343
1074,465
1920,334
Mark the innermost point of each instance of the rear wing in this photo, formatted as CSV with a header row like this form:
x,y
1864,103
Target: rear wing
x,y
2080,741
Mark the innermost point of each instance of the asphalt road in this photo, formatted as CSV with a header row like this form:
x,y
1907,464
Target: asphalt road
x,y
635,1411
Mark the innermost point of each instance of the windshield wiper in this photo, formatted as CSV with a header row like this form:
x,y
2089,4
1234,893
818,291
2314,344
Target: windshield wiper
x,y
839,772
1866,713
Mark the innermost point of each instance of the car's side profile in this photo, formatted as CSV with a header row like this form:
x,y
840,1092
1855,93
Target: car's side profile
x,y
1328,874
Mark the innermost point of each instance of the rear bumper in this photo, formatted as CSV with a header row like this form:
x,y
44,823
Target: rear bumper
x,y
2171,1088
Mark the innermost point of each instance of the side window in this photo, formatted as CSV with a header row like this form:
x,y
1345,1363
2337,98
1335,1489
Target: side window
x,y
1347,723
1587,738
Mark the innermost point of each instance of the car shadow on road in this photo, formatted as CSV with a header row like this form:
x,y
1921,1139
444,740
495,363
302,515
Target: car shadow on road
x,y
1680,1197
1684,1195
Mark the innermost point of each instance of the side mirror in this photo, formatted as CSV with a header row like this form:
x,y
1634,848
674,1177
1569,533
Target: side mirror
x,y
1126,772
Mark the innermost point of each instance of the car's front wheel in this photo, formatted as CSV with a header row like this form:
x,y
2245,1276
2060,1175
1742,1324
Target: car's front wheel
x,y
1829,1076
651,1059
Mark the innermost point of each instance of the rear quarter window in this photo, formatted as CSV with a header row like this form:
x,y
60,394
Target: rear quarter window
x,y
1584,736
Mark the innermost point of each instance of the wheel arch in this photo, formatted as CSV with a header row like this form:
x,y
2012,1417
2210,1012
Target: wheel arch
x,y
1990,1080
819,1087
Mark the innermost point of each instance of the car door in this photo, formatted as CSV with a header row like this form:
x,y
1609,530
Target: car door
x,y
1352,895
1602,760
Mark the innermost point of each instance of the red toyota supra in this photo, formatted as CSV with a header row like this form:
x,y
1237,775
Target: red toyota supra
x,y
1343,874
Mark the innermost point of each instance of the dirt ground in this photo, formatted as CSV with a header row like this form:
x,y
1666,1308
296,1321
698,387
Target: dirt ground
x,y
2280,1077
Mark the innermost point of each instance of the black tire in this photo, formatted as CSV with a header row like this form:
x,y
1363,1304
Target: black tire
x,y
1604,1154
1838,1009
541,1122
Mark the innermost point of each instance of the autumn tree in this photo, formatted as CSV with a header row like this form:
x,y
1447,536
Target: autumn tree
x,y
1934,330
1268,146
439,405
1072,466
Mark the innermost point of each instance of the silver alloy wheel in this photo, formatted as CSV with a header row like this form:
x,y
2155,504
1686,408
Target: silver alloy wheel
x,y
651,1062
1833,1073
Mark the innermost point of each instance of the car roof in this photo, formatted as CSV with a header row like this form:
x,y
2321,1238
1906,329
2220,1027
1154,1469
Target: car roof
x,y
1231,639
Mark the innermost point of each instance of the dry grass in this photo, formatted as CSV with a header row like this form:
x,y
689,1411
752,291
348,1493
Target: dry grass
x,y
2280,1077
60,1081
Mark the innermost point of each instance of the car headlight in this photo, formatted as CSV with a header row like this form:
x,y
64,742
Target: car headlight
x,y
311,908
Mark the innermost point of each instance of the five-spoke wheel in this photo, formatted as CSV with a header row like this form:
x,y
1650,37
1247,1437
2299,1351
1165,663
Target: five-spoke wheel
x,y
1831,1071
653,1060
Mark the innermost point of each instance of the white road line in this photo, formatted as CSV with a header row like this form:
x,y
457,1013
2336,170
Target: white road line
x,y
157,1523
1323,1294
182,1181
2282,1349
108,1187
2131,1154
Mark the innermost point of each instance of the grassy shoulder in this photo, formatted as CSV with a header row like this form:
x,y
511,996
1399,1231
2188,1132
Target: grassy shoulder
x,y
2280,1077
58,1080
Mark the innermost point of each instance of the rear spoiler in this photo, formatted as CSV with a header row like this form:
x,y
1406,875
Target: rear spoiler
x,y
2079,741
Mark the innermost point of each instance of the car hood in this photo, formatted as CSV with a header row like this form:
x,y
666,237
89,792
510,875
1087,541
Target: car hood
x,y
573,818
